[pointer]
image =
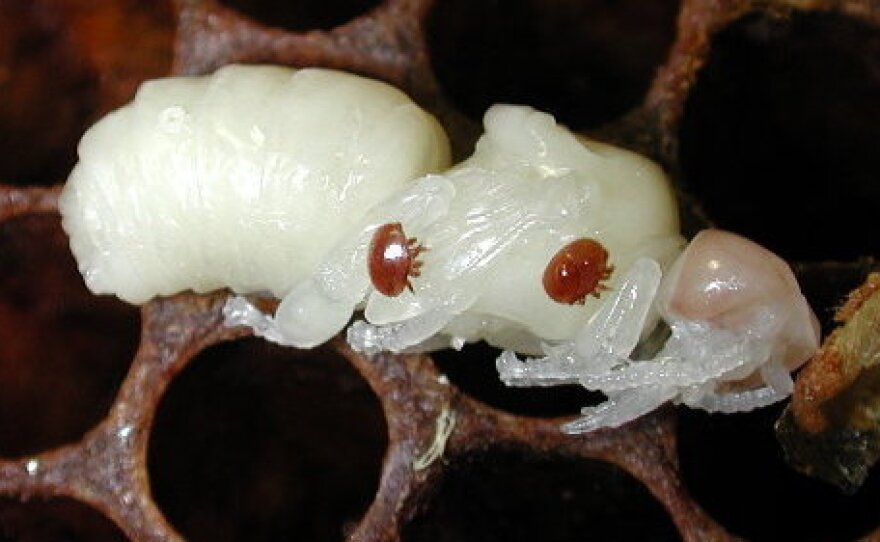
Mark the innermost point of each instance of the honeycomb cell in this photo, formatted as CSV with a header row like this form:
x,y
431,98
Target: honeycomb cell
x,y
473,371
779,136
55,520
249,444
63,351
255,442
587,62
826,284
62,63
302,15
512,497
47,96
733,467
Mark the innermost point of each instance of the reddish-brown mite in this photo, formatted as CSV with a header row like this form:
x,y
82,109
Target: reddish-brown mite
x,y
577,271
392,259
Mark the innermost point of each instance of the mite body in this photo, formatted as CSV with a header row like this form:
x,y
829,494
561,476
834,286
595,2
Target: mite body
x,y
392,260
577,271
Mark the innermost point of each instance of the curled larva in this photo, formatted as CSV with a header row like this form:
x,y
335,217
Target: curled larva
x,y
491,225
241,179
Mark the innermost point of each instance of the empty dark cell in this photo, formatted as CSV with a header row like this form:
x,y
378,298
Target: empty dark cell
x,y
302,14
46,97
733,466
61,64
587,62
780,134
826,285
473,371
63,350
509,497
55,520
255,442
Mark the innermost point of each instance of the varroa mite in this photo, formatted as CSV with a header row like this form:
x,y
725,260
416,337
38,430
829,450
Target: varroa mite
x,y
392,259
577,271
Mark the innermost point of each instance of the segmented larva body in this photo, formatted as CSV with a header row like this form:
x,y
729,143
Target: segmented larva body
x,y
241,179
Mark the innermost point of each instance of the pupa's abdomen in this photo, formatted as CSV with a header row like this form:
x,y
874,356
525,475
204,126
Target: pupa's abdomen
x,y
241,179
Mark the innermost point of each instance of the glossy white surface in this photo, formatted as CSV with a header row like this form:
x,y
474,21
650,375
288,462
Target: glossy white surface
x,y
491,224
241,179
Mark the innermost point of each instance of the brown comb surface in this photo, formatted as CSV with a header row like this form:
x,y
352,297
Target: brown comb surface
x,y
164,425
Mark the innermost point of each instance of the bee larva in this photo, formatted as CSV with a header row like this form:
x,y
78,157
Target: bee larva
x,y
334,193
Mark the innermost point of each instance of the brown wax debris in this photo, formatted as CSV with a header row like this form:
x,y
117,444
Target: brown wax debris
x,y
832,428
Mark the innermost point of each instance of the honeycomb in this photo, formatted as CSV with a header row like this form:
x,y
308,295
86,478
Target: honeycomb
x,y
159,424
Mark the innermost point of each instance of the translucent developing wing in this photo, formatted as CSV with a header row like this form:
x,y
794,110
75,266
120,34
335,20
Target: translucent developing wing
x,y
605,342
478,234
492,213
495,210
343,275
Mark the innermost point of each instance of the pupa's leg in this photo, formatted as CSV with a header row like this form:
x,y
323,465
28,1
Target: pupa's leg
x,y
604,343
238,311
779,386
742,401
693,355
620,409
399,336
547,371
304,319
618,324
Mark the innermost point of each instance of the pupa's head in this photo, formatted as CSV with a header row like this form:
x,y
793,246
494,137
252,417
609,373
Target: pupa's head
x,y
729,282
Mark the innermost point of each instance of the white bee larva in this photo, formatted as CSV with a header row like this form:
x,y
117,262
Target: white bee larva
x,y
241,179
328,191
